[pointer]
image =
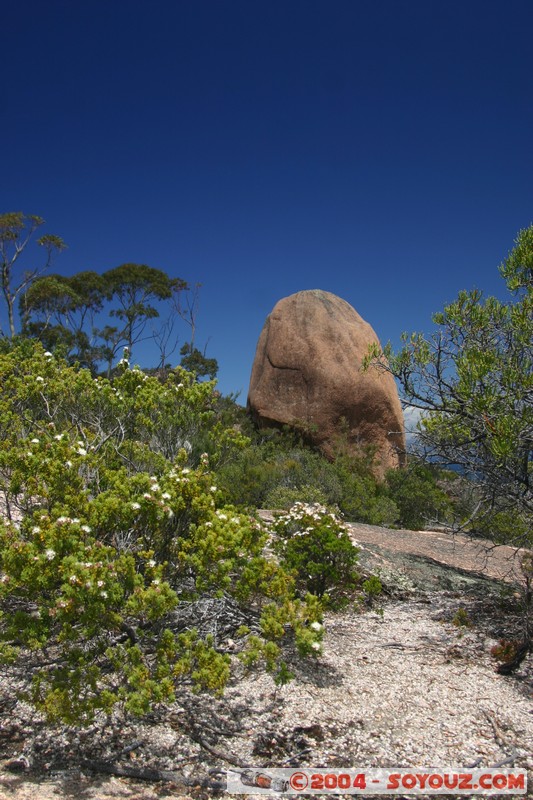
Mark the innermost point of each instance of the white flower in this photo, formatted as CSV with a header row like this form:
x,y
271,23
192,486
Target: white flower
x,y
47,354
316,626
88,584
235,519
221,516
4,579
68,464
213,489
169,512
151,563
208,525
185,470
156,582
35,529
35,441
50,554
147,496
63,520
136,506
86,528
40,379
81,451
73,579
153,478
165,496
155,487
99,584
58,437
315,646
103,594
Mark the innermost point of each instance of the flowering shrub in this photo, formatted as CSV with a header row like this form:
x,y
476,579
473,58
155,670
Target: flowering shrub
x,y
110,521
314,544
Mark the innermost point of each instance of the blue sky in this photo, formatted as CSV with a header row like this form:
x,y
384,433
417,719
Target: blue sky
x,y
378,149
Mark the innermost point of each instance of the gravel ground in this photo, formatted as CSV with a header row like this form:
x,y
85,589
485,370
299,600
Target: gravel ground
x,y
402,688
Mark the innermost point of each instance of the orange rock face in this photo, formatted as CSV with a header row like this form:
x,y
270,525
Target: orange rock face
x,y
307,374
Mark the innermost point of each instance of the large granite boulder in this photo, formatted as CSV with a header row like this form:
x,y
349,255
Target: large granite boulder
x,y
307,374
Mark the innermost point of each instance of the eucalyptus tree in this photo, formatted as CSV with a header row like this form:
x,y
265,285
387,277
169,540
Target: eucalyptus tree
x,y
17,232
472,380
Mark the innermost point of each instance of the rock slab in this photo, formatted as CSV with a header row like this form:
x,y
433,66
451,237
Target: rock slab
x,y
307,374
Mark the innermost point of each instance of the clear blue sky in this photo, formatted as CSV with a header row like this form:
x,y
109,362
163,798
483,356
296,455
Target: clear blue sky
x,y
378,149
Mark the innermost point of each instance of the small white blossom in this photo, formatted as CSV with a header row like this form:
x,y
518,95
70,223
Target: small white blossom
x,y
315,646
213,489
136,506
58,436
147,496
151,563
50,554
221,516
156,582
99,584
73,579
35,529
35,441
208,525
103,594
68,464
86,528
155,487
185,470
47,354
40,379
316,626
153,478
81,451
165,496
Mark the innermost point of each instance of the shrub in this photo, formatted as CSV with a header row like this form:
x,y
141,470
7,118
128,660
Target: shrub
x,y
417,495
111,521
284,497
314,544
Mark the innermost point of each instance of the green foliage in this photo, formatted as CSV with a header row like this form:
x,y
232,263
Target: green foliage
x,y
64,311
284,497
195,361
112,518
314,544
278,472
17,232
362,497
473,381
461,619
417,496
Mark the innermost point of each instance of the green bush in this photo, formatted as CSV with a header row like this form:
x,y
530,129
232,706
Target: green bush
x,y
417,495
111,520
284,497
363,498
314,544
